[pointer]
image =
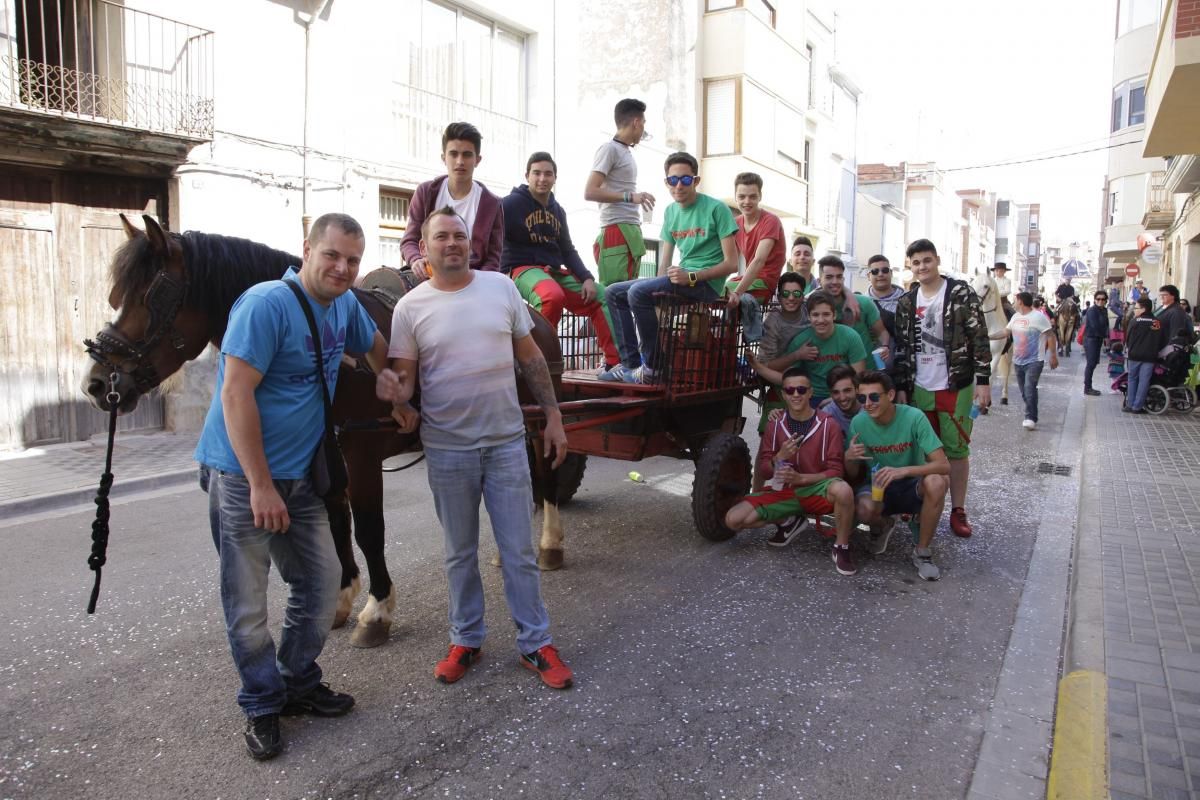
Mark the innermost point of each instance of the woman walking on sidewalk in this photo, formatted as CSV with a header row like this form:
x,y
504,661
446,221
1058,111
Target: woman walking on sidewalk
x,y
1095,334
1143,339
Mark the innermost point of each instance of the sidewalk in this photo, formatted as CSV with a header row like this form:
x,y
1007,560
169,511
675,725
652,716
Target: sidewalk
x,y
1135,610
61,475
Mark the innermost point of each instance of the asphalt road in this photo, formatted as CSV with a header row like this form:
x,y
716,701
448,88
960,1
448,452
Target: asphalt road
x,y
703,670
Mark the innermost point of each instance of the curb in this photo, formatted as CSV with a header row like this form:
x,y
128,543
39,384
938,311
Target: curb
x,y
1078,769
53,501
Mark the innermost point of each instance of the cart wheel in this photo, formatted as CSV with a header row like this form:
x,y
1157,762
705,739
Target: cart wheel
x,y
722,479
570,477
1156,400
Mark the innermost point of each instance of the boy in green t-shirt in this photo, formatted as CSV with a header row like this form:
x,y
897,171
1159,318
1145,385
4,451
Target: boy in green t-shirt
x,y
909,467
703,229
853,309
821,346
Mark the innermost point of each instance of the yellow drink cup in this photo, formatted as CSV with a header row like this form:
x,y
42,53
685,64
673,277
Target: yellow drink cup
x,y
876,492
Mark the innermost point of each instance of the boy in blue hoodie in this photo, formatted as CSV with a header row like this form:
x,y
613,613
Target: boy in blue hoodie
x,y
539,256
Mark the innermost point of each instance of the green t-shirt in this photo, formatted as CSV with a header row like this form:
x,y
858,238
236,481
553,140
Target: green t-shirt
x,y
906,442
697,232
842,347
868,316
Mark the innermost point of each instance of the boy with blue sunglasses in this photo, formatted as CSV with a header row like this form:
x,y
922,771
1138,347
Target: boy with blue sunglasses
x,y
703,229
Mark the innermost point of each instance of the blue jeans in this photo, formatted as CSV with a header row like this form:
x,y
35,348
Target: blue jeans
x,y
500,476
1140,373
633,301
1027,381
307,562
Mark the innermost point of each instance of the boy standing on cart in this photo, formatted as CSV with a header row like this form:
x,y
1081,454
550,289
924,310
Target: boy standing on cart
x,y
703,229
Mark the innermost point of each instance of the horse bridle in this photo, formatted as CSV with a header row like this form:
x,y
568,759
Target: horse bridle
x,y
162,300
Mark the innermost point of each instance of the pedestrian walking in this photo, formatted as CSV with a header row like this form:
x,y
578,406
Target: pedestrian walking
x,y
458,333
263,427
943,363
1144,338
1032,335
1095,336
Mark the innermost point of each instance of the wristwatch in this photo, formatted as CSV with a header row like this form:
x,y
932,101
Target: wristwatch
x,y
691,279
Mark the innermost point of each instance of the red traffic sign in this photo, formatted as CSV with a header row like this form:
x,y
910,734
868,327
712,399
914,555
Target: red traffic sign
x,y
1132,270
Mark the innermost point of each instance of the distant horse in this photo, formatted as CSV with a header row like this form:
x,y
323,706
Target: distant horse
x,y
997,325
1066,323
174,292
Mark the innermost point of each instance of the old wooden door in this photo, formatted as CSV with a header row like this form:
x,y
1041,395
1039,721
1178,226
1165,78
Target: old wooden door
x,y
58,231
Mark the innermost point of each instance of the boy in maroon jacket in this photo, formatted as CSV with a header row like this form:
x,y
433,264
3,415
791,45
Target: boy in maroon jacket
x,y
469,198
803,451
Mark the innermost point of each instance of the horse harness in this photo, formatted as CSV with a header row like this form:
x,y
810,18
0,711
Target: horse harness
x,y
162,300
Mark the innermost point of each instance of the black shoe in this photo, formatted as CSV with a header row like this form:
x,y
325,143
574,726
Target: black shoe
x,y
262,737
1091,392
1003,401
320,702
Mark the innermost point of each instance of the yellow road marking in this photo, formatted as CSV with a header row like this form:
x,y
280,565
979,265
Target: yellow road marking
x,y
1078,766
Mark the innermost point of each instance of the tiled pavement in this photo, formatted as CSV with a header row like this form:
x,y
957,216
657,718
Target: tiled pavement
x,y
1139,504
44,478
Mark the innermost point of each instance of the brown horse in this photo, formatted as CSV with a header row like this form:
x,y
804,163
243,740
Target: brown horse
x,y
173,294
1066,323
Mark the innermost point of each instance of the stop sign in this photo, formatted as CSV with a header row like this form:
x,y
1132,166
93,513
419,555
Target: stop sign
x,y
1132,270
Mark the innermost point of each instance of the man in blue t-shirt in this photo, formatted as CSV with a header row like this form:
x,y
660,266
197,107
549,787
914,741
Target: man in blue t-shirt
x,y
262,429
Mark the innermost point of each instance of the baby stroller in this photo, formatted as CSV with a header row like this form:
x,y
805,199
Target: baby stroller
x,y
1173,384
1116,353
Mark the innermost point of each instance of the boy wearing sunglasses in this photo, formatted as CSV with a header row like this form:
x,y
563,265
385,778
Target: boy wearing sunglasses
x,y
802,452
823,345
703,230
912,467
879,285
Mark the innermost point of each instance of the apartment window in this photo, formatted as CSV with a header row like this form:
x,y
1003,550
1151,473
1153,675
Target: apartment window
x,y
807,158
720,117
1002,208
719,5
763,10
456,54
1114,210
789,165
1001,245
1033,222
1133,14
812,75
1129,104
393,217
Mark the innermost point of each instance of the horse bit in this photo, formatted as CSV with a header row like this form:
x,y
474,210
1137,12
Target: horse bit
x,y
163,300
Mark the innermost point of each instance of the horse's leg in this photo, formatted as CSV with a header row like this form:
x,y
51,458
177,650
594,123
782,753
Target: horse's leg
x,y
1005,374
363,462
339,525
550,548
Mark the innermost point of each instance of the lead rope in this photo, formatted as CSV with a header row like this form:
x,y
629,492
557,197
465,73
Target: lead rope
x,y
100,524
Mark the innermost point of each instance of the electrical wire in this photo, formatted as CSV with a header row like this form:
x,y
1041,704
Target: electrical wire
x,y
1041,158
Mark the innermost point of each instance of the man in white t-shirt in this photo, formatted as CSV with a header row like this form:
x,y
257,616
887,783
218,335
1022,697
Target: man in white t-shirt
x,y
458,332
1032,334
613,184
470,199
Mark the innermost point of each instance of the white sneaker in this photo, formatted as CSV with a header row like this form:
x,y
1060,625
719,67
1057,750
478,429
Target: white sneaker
x,y
645,375
1029,425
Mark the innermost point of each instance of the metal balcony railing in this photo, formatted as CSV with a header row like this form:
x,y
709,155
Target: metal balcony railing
x,y
1160,204
95,60
419,117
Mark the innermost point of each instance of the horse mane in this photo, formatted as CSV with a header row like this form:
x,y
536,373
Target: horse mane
x,y
219,268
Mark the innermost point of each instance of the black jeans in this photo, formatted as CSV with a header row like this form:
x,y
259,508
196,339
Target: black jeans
x,y
1091,346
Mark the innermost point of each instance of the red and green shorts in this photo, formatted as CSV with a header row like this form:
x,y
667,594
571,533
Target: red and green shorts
x,y
549,291
618,250
774,505
949,412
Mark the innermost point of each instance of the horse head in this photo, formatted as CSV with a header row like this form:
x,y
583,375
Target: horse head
x,y
155,330
989,293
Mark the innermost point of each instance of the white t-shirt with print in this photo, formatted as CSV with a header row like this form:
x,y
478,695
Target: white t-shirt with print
x,y
933,368
466,208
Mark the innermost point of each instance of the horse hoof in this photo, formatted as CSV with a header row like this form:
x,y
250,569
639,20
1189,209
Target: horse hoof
x,y
372,634
339,619
1003,401
549,560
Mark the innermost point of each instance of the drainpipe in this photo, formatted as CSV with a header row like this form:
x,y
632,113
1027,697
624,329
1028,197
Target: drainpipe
x,y
318,7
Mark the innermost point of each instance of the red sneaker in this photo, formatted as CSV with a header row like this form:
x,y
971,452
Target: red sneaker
x,y
456,663
546,663
959,524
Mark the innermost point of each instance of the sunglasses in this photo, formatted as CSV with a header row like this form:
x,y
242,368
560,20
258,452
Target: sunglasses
x,y
872,397
881,271
686,180
791,293
797,390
